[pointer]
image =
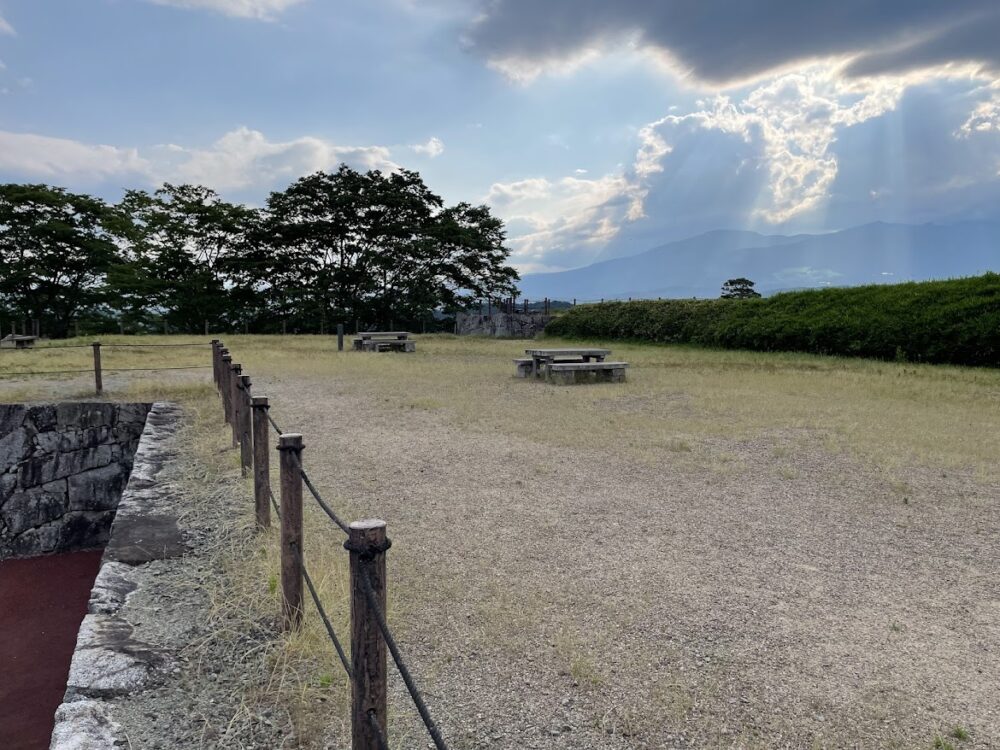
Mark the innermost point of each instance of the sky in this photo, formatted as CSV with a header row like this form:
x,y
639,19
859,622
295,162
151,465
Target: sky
x,y
594,129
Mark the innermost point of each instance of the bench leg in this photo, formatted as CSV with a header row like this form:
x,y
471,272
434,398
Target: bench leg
x,y
618,376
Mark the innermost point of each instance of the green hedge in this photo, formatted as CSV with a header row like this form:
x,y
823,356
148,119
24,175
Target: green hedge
x,y
955,321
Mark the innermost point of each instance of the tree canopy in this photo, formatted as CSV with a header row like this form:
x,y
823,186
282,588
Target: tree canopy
x,y
331,247
739,289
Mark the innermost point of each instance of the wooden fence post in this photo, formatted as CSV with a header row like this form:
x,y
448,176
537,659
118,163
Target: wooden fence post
x,y
290,448
215,362
340,337
225,363
235,400
98,376
367,543
246,438
261,462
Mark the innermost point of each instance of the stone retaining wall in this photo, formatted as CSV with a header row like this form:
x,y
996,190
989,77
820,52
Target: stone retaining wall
x,y
62,471
501,325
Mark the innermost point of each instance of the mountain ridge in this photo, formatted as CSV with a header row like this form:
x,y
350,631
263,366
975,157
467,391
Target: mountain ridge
x,y
877,252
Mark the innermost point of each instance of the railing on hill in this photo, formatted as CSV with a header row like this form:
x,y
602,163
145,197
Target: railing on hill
x,y
367,543
98,369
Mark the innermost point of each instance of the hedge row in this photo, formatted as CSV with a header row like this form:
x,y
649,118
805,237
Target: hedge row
x,y
955,321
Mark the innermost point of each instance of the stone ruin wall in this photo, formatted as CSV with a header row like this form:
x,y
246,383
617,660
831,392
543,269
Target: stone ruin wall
x,y
62,471
501,325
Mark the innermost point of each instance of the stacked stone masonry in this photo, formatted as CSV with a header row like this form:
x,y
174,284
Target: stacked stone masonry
x,y
501,325
63,468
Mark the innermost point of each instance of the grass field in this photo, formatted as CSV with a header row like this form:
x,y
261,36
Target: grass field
x,y
731,549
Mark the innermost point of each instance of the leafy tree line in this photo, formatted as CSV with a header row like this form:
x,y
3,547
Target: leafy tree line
x,y
332,247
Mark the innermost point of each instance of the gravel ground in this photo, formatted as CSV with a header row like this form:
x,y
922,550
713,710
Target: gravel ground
x,y
563,598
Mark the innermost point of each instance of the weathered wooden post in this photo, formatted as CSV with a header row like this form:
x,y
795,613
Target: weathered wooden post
x,y
215,362
235,400
246,438
98,377
367,543
225,363
261,462
290,449
76,329
340,337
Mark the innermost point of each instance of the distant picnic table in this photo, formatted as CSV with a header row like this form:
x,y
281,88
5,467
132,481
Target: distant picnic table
x,y
13,341
380,341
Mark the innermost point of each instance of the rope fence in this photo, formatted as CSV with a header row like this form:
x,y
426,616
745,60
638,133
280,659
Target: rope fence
x,y
367,543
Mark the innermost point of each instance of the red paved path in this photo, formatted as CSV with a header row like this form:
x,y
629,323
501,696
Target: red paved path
x,y
42,602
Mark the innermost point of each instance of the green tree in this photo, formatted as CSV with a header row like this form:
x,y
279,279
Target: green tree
x,y
55,251
180,241
739,289
345,245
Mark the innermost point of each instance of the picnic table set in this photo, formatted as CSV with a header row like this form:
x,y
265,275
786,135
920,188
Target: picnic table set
x,y
566,366
384,341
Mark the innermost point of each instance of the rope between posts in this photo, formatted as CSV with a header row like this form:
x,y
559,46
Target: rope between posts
x,y
322,504
373,720
404,672
274,424
274,504
326,620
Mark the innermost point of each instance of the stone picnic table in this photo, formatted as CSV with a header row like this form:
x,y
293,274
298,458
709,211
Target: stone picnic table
x,y
542,357
376,341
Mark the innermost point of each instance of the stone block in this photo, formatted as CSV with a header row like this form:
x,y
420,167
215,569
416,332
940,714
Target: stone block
x,y
34,507
14,448
11,417
84,725
108,662
97,489
42,417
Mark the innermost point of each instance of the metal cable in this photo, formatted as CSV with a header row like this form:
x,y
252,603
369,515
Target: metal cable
x,y
153,369
104,369
42,372
326,620
383,744
404,672
122,346
322,504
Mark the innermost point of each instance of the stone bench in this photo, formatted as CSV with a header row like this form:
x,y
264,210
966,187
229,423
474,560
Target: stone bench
x,y
568,373
522,368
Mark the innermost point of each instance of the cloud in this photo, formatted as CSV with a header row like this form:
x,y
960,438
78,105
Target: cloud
x,y
6,28
546,219
263,10
241,160
985,117
39,156
433,148
721,42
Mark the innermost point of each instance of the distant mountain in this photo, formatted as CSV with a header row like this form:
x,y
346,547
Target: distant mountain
x,y
697,266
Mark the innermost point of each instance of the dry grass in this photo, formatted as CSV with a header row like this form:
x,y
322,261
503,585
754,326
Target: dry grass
x,y
693,410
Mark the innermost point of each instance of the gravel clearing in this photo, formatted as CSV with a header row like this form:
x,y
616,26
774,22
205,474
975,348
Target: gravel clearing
x,y
550,597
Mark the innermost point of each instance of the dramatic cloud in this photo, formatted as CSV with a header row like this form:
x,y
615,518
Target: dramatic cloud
x,y
264,10
548,218
719,41
241,160
434,147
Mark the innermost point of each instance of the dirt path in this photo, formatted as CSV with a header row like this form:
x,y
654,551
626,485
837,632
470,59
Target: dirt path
x,y
42,602
551,597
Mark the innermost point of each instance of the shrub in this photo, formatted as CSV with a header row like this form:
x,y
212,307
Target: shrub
x,y
955,321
